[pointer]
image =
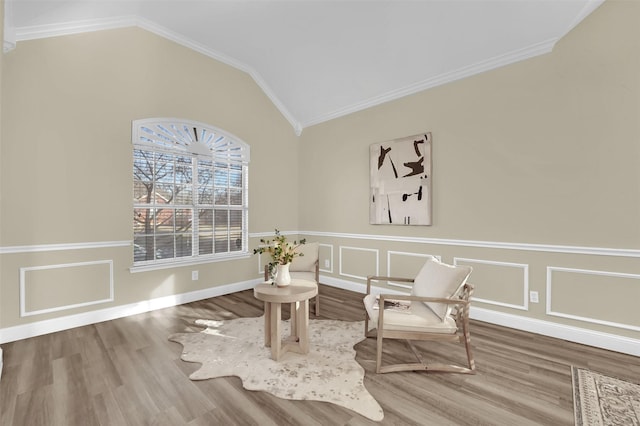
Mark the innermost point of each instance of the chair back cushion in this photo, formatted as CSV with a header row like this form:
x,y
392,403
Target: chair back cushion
x,y
437,279
308,261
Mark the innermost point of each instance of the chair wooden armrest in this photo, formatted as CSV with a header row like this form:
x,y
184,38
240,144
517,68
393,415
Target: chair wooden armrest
x,y
408,297
383,278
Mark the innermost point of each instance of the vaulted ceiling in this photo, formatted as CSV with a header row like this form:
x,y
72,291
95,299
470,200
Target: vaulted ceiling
x,y
318,60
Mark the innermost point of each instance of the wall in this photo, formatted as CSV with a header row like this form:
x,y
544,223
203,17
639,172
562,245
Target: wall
x,y
536,180
1,62
536,183
66,180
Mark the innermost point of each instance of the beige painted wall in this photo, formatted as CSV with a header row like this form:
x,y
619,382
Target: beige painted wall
x,y
544,151
1,202
540,152
67,156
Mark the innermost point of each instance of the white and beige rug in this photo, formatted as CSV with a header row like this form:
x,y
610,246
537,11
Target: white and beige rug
x,y
604,400
329,372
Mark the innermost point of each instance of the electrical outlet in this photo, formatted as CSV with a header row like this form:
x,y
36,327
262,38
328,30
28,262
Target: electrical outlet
x,y
194,275
533,297
327,263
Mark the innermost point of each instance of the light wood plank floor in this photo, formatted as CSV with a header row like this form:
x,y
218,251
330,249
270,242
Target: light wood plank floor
x,y
126,372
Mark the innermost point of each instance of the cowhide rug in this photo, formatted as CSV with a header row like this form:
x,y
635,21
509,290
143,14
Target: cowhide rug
x,y
329,372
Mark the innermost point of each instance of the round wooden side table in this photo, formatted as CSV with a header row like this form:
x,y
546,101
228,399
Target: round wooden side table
x,y
297,294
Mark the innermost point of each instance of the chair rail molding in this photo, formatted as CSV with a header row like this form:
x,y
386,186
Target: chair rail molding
x,y
63,246
552,248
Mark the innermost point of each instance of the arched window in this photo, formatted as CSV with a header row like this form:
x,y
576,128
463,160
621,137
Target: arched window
x,y
189,192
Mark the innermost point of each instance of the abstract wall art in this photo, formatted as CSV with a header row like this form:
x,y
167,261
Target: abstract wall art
x,y
400,177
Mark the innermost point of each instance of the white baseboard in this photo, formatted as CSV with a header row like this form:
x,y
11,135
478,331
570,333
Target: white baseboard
x,y
39,328
583,336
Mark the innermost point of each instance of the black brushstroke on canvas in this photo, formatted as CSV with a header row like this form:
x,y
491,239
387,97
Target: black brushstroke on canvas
x,y
415,145
416,167
383,156
405,197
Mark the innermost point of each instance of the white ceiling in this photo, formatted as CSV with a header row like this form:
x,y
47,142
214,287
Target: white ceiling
x,y
318,60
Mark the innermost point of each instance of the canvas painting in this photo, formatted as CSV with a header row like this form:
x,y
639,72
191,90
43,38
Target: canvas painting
x,y
401,181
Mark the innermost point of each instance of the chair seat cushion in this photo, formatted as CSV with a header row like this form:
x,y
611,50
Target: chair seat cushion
x,y
421,318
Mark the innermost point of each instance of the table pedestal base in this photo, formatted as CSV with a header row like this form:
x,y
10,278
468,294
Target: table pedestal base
x,y
298,341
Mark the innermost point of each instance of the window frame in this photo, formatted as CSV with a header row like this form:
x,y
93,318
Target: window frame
x,y
199,143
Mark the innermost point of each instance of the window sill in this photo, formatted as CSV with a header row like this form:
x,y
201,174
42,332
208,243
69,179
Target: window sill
x,y
187,262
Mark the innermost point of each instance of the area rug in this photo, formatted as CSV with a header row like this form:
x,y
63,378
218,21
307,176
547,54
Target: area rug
x,y
329,372
604,400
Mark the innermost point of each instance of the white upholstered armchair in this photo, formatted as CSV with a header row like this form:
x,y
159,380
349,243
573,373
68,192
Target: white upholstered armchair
x,y
438,310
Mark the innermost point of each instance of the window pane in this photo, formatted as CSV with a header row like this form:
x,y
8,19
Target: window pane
x,y
183,245
142,166
142,248
183,220
205,196
235,230
142,221
163,193
222,243
183,194
142,192
164,221
205,244
164,168
205,217
221,196
235,197
221,219
184,170
164,247
221,175
235,176
205,182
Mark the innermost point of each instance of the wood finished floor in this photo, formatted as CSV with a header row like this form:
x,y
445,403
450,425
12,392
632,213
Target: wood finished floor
x,y
126,372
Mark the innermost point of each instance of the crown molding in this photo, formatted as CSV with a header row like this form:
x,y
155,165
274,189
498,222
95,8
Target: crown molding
x,y
12,35
77,27
74,27
439,80
584,12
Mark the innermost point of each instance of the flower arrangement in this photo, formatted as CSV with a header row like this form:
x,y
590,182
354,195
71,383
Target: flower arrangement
x,y
282,252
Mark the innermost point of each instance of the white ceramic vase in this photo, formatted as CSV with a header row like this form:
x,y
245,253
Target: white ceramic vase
x,y
283,278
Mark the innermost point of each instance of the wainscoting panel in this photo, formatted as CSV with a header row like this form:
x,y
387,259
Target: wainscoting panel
x,y
326,254
618,292
405,265
51,288
499,283
356,262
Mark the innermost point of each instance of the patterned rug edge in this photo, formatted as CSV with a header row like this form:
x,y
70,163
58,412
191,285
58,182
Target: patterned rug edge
x,y
599,399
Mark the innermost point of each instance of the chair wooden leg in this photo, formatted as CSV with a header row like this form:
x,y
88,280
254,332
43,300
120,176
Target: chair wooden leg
x,y
379,353
366,325
467,344
318,304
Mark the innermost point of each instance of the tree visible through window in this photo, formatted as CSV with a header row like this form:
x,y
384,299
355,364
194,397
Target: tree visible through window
x,y
189,191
